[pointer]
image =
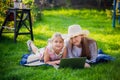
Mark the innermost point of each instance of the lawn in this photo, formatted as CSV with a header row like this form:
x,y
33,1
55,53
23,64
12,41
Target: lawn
x,y
96,21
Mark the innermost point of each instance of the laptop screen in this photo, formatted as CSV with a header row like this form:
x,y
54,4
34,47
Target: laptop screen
x,y
72,62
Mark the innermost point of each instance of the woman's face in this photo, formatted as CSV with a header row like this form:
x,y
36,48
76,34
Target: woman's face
x,y
76,40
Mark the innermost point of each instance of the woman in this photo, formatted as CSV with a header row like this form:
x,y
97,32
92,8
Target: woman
x,y
79,45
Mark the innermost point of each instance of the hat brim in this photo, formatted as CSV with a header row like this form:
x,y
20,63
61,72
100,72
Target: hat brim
x,y
84,33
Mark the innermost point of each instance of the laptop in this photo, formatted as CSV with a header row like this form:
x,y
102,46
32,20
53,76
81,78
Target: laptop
x,y
74,63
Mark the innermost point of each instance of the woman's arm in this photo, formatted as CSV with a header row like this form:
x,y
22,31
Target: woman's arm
x,y
64,53
93,51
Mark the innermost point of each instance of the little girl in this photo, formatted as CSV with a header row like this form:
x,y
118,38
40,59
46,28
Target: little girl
x,y
53,52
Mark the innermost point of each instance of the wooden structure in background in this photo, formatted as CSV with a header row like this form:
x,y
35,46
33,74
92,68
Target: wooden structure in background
x,y
19,16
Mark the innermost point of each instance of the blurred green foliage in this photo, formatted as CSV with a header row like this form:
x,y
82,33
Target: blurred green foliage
x,y
5,4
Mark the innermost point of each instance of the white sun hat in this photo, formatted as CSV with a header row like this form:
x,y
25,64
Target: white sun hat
x,y
75,30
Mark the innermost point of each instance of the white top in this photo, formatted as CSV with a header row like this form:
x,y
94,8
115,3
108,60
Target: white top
x,y
76,52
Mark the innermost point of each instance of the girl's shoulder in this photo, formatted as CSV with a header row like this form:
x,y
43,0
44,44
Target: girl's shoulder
x,y
49,48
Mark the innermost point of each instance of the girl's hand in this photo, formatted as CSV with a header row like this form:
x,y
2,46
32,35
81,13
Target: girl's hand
x,y
57,62
87,65
53,62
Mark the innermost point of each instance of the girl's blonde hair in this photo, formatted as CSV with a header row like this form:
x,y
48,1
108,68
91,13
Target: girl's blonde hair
x,y
57,34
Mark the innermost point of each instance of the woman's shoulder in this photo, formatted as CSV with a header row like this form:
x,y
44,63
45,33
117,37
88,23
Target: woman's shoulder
x,y
91,40
67,43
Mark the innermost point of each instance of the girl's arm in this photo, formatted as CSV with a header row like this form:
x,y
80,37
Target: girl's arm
x,y
47,59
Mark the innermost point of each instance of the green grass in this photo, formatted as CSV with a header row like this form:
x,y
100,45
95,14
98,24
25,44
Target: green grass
x,y
95,21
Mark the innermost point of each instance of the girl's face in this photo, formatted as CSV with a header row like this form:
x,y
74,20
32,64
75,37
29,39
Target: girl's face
x,y
76,40
57,43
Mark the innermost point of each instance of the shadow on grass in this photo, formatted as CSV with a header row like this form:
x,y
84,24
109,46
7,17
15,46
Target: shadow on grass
x,y
13,77
5,39
10,39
